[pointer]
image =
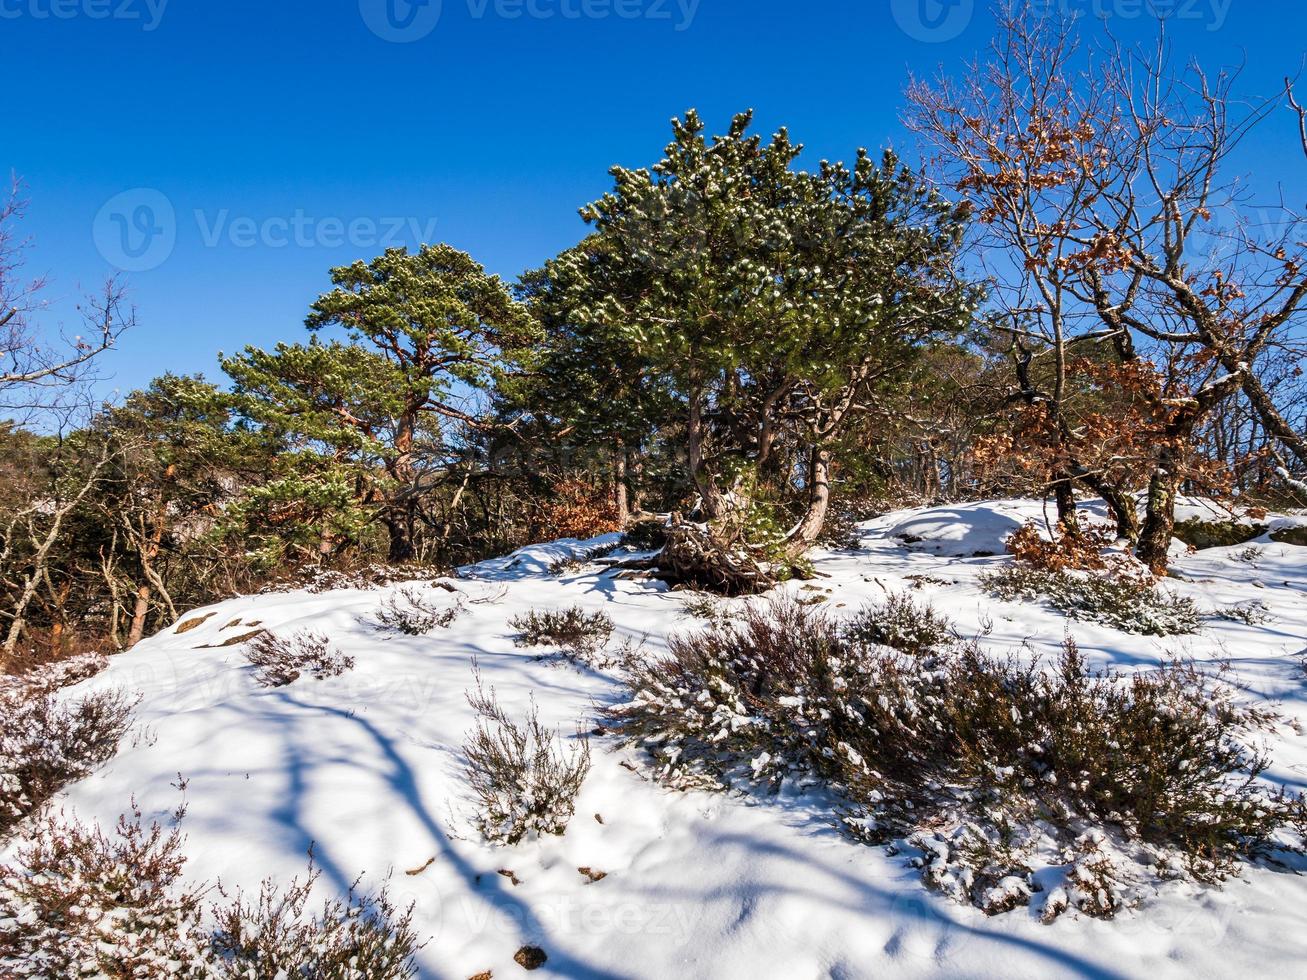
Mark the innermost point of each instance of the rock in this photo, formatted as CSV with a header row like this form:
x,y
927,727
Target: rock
x,y
530,957
1216,534
1291,535
187,625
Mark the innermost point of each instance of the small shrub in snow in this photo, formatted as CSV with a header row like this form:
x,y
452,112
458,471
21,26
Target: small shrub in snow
x,y
900,623
524,780
701,605
1127,601
280,660
990,766
410,613
52,675
573,629
1252,613
77,902
841,531
47,742
362,936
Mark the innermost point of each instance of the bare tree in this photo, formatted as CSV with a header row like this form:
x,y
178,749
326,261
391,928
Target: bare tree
x,y
1301,110
36,370
34,529
1100,172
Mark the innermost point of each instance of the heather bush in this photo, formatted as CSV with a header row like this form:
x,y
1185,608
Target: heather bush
x,y
78,902
578,560
984,768
570,629
47,742
407,611
524,779
901,623
273,936
280,660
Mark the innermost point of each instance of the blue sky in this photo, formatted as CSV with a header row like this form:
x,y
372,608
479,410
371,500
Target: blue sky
x,y
272,140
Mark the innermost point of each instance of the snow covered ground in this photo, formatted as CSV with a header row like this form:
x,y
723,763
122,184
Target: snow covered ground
x,y
367,766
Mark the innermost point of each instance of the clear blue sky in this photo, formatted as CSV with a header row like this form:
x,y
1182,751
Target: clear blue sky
x,y
321,123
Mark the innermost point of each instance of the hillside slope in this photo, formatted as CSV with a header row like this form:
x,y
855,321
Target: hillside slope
x,y
367,767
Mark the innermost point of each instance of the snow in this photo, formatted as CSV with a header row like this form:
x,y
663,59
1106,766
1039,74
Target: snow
x,y
367,767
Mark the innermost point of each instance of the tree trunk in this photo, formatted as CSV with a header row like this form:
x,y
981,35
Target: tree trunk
x,y
1065,496
714,504
1272,420
619,487
809,529
401,542
1159,522
635,469
138,617
1122,507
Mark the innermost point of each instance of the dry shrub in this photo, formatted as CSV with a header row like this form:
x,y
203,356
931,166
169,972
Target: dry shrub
x,y
579,559
280,660
842,531
987,767
77,902
47,742
572,629
1080,550
524,780
575,509
43,650
411,613
363,576
648,534
273,937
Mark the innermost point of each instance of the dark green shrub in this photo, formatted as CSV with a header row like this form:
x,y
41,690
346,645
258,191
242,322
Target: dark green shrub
x,y
1127,601
570,629
901,623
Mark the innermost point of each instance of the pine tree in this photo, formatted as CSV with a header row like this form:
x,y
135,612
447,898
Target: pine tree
x,y
423,331
776,303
